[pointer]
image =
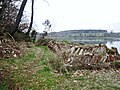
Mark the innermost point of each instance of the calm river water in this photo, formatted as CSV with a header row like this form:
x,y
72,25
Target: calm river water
x,y
114,44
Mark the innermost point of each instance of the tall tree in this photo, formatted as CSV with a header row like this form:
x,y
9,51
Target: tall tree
x,y
19,16
32,14
8,14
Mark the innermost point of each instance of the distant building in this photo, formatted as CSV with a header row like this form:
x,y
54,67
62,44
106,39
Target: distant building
x,y
86,33
92,33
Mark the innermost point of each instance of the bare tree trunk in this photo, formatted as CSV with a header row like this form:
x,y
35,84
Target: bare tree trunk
x,y
29,29
19,16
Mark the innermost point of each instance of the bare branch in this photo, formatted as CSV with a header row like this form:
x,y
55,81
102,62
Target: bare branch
x,y
46,2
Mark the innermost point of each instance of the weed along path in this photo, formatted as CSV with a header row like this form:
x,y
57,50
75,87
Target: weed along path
x,y
35,71
21,73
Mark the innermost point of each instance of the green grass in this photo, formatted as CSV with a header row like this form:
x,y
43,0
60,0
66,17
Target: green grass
x,y
34,72
3,87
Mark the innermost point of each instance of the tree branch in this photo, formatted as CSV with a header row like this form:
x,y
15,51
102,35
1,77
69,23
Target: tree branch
x,y
46,2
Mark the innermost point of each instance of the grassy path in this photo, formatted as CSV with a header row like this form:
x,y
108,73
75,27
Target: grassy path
x,y
33,72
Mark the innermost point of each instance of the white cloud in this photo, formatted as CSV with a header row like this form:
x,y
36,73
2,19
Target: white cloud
x,y
78,14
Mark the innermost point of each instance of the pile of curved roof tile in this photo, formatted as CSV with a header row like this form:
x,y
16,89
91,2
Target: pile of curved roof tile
x,y
92,54
83,54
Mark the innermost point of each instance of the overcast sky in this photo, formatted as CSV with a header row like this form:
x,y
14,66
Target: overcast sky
x,y
77,14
